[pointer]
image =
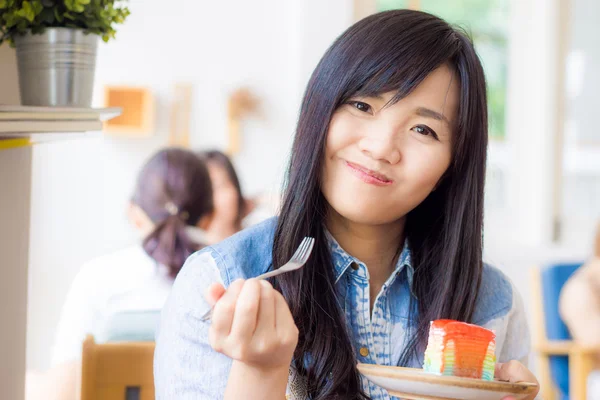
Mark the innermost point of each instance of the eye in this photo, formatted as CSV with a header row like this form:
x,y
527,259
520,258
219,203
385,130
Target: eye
x,y
361,106
425,131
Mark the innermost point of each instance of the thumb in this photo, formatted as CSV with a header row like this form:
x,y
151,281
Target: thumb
x,y
214,293
513,372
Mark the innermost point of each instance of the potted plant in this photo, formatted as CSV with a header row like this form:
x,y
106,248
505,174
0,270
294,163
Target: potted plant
x,y
56,43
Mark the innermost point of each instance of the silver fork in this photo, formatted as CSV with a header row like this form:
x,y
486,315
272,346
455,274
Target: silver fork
x,y
296,262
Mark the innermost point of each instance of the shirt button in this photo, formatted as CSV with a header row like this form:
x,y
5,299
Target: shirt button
x,y
354,266
364,351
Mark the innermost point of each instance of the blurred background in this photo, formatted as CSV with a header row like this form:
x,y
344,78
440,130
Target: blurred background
x,y
541,59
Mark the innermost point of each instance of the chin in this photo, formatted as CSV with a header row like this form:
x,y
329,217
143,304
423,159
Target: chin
x,y
369,214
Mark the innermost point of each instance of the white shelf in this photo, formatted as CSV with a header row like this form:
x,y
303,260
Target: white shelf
x,y
24,125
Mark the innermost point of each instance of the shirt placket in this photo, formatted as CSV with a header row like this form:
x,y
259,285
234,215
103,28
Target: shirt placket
x,y
371,346
380,328
358,313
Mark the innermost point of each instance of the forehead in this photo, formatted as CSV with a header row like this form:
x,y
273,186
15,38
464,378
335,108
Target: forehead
x,y
439,92
217,171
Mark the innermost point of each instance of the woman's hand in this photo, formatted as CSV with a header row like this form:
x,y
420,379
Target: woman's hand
x,y
514,371
252,323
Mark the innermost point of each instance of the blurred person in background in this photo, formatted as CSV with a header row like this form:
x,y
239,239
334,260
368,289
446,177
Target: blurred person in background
x,y
230,206
580,300
172,202
579,308
233,212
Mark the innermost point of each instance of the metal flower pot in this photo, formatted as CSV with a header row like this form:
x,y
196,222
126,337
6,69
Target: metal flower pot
x,y
56,68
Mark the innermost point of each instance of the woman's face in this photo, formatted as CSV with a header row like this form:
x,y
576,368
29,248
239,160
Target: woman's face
x,y
225,195
383,161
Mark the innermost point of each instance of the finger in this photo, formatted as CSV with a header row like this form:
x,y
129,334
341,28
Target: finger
x,y
266,309
214,293
508,398
223,313
246,312
514,372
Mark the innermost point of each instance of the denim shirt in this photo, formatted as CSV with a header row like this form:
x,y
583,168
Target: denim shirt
x,y
186,367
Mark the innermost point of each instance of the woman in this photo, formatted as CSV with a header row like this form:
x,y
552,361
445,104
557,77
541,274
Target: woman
x,y
230,205
387,174
172,195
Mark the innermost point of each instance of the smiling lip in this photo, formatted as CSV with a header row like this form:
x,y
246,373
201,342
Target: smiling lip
x,y
369,176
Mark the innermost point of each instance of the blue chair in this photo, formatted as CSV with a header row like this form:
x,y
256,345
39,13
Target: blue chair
x,y
563,365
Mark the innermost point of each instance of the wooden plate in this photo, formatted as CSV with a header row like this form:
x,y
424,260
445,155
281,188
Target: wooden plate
x,y
416,384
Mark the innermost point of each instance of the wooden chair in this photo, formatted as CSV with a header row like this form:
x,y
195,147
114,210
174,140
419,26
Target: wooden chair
x,y
552,353
117,371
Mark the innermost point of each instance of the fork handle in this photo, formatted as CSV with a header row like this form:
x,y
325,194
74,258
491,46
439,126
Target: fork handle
x,y
270,274
207,315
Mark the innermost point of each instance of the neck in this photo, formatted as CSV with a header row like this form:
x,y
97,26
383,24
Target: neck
x,y
378,246
220,231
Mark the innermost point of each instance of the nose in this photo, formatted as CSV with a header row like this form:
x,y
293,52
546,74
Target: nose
x,y
382,145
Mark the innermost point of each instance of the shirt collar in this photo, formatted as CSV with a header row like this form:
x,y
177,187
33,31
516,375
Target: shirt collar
x,y
342,260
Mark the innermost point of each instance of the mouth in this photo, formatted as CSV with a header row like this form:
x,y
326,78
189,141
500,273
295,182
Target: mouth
x,y
369,176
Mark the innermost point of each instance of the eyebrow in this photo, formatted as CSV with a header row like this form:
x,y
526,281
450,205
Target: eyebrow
x,y
426,112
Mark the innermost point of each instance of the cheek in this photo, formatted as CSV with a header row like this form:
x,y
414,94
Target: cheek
x,y
228,196
342,132
425,168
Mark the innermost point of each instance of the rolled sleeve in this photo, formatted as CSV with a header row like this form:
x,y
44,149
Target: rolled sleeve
x,y
512,331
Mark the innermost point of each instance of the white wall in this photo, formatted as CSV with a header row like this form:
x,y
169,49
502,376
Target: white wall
x,y
66,230
581,193
81,188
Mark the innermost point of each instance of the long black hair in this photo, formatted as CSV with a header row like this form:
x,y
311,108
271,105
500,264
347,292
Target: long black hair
x,y
173,188
389,51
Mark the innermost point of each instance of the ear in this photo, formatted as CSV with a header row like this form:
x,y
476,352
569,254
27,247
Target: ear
x,y
139,219
205,221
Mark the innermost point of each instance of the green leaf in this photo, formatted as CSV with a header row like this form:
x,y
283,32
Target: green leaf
x,y
26,12
22,26
79,5
60,18
48,16
11,20
37,6
94,16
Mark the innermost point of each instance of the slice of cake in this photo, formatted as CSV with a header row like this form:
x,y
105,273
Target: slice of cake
x,y
460,349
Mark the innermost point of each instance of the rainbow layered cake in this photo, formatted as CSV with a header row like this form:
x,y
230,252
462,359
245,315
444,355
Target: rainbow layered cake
x,y
459,349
